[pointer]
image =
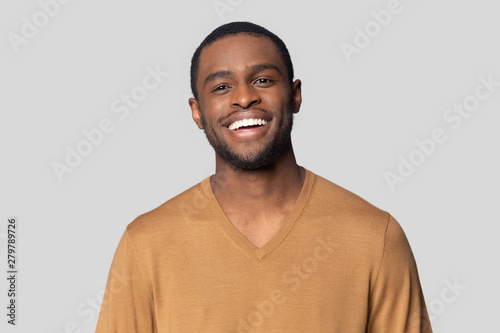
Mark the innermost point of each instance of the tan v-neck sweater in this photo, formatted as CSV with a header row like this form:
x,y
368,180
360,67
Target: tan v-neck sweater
x,y
338,264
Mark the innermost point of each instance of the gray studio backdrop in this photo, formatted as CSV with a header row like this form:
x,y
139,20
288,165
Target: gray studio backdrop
x,y
401,103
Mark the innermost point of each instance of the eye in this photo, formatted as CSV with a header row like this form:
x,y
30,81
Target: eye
x,y
264,82
221,87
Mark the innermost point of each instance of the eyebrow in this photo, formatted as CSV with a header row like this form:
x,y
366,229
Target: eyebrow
x,y
261,67
253,69
216,75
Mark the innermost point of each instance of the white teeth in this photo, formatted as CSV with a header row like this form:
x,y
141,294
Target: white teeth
x,y
246,122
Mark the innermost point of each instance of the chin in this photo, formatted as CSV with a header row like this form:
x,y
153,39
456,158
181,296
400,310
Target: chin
x,y
263,160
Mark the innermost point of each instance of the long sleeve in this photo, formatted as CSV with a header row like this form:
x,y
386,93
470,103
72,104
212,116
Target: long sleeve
x,y
128,303
397,303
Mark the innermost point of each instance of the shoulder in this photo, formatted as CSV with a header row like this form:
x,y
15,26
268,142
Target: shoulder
x,y
172,215
362,228
349,209
335,197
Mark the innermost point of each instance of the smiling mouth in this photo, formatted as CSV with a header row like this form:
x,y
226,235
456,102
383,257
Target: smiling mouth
x,y
251,122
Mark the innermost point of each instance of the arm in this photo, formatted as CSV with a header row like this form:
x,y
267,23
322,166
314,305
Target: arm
x,y
128,302
397,303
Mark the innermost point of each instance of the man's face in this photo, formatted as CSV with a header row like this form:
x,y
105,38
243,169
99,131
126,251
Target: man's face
x,y
245,103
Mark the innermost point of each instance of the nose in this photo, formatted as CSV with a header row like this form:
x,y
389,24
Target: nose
x,y
244,96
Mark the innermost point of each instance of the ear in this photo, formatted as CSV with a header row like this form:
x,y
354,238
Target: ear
x,y
195,112
297,95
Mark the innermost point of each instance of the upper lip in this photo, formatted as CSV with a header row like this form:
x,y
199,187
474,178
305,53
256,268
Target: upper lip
x,y
240,115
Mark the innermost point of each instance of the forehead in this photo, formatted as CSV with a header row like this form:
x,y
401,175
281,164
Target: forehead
x,y
239,52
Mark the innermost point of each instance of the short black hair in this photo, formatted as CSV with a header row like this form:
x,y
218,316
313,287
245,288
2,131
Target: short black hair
x,y
234,28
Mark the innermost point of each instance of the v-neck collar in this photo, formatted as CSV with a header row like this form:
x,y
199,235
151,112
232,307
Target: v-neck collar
x,y
241,241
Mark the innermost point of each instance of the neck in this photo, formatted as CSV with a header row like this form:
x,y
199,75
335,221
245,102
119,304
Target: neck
x,y
279,183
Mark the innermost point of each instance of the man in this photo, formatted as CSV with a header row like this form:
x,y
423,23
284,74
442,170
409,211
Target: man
x,y
263,245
